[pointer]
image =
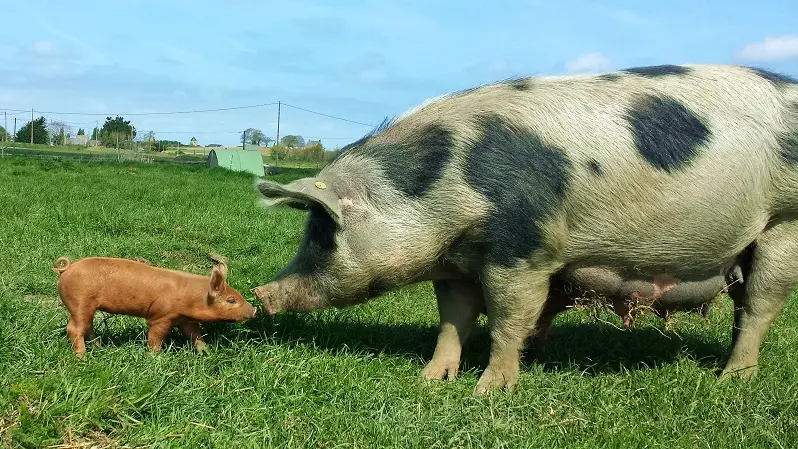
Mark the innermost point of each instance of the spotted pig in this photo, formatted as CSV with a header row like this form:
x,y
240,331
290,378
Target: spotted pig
x,y
662,175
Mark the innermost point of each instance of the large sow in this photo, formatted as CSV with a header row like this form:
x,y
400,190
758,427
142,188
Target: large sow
x,y
662,175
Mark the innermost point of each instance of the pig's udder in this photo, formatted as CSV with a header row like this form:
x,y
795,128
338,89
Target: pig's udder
x,y
663,283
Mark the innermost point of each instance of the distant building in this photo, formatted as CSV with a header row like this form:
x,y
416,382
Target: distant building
x,y
81,139
310,143
193,142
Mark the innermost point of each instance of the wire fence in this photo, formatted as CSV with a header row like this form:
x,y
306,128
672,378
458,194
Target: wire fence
x,y
126,157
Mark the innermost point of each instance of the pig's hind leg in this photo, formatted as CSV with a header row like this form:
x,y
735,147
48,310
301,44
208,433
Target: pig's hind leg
x,y
91,336
772,272
78,328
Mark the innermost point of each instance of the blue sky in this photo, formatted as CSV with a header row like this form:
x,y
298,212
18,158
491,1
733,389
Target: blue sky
x,y
359,60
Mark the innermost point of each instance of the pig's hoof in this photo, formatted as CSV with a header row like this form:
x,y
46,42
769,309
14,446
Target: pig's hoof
x,y
744,373
80,355
493,380
203,350
440,370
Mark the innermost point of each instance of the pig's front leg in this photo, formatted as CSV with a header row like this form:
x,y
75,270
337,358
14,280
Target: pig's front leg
x,y
157,332
193,331
459,305
514,301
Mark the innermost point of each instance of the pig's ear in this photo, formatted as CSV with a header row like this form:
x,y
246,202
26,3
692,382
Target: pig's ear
x,y
218,277
300,194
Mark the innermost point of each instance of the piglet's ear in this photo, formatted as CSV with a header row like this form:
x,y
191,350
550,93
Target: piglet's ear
x,y
300,194
218,277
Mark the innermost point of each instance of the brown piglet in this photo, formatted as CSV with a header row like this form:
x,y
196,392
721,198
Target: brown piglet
x,y
164,297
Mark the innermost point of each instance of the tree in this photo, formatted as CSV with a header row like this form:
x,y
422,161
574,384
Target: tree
x,y
255,136
58,132
81,132
116,131
39,129
315,152
292,141
151,144
3,133
94,134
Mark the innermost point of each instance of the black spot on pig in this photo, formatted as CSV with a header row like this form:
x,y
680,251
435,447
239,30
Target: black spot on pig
x,y
666,133
654,71
594,167
609,76
775,78
525,179
465,91
789,147
789,142
414,164
522,84
386,123
318,242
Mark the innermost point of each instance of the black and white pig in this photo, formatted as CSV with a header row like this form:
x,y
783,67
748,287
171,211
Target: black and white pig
x,y
663,175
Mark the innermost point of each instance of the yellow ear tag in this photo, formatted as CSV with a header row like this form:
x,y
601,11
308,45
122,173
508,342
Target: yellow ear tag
x,y
320,185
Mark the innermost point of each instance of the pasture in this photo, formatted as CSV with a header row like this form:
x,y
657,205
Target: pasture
x,y
337,378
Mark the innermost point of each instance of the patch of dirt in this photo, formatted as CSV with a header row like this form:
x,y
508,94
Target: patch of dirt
x,y
8,421
51,302
89,440
198,263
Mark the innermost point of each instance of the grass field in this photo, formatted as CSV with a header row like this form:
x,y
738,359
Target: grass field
x,y
338,378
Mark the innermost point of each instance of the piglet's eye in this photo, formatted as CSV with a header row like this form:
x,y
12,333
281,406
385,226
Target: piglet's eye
x,y
231,300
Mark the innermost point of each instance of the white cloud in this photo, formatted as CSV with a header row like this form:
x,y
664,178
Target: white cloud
x,y
588,63
775,48
43,48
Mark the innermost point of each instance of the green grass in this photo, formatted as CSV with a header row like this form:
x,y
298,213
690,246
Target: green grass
x,y
338,378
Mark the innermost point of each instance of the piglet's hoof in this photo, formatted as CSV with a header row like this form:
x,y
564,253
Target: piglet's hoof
x,y
203,350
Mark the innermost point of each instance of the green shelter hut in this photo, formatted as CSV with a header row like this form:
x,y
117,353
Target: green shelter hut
x,y
237,160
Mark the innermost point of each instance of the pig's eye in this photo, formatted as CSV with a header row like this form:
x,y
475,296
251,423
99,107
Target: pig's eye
x,y
231,300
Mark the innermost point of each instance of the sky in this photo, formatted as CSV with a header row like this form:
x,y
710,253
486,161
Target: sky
x,y
360,61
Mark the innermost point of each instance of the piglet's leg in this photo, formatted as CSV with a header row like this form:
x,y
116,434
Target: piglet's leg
x,y
193,331
93,337
76,331
157,333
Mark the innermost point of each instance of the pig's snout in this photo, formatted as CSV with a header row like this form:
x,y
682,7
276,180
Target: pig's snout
x,y
267,296
252,312
294,294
